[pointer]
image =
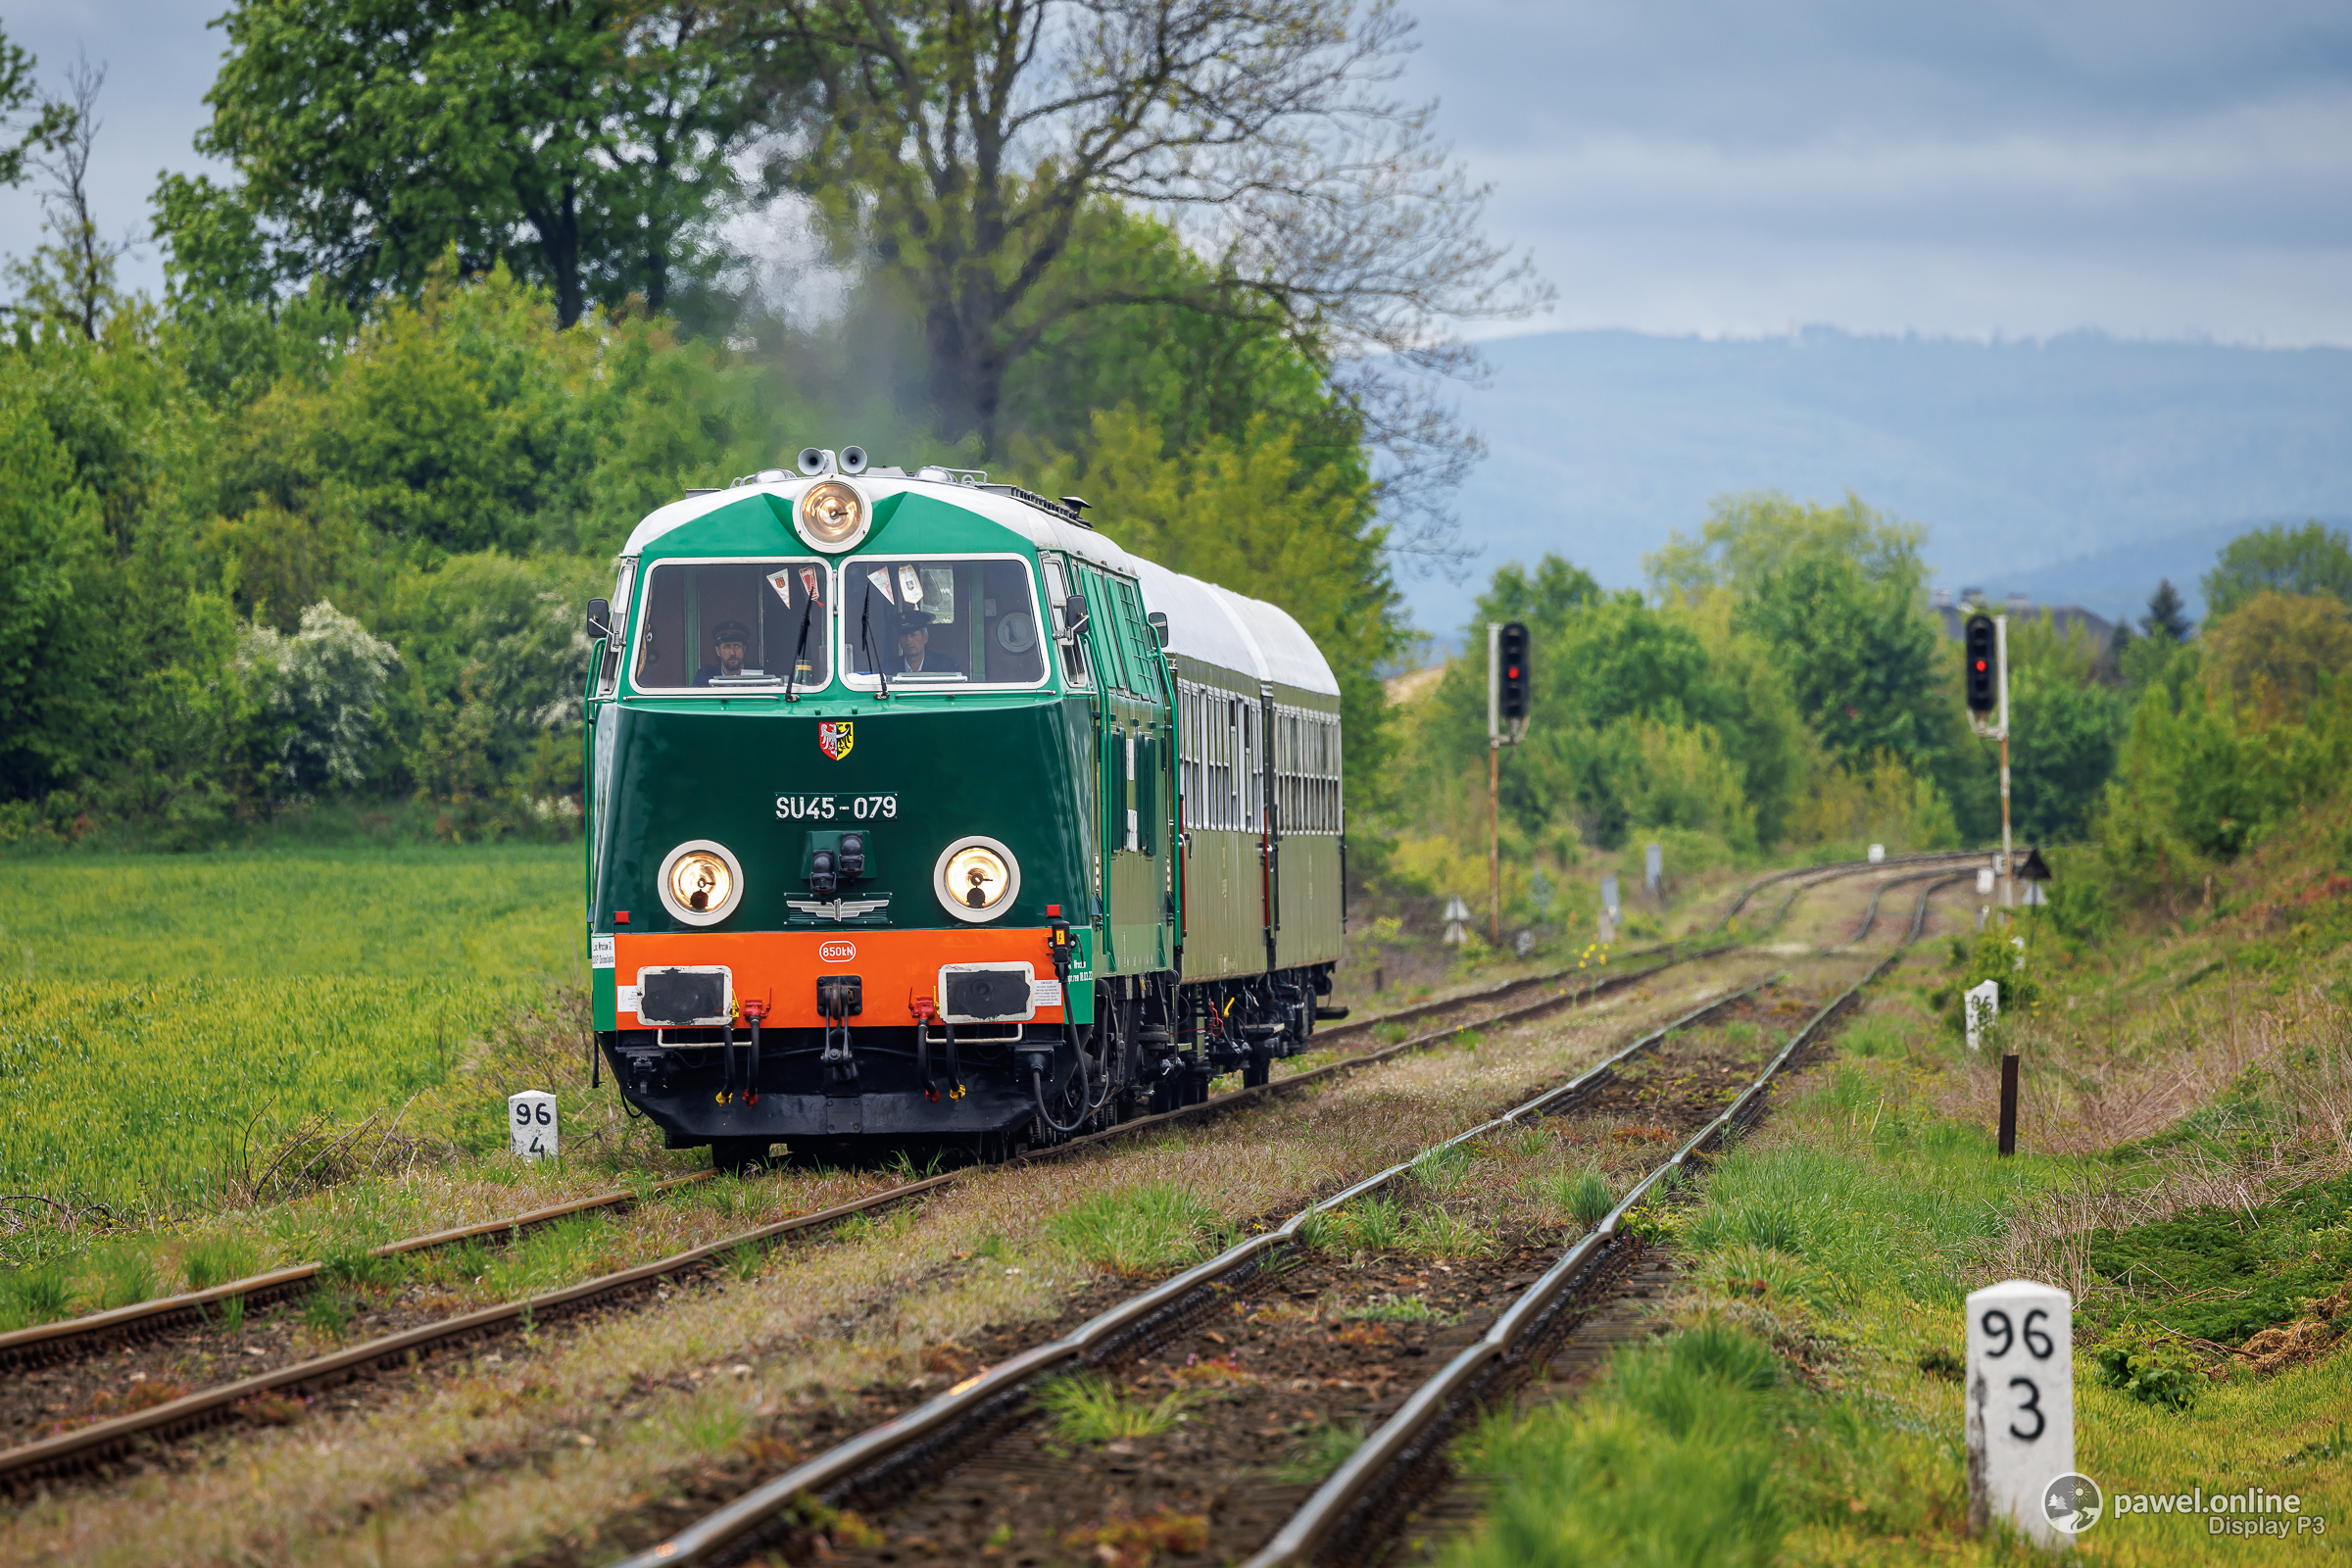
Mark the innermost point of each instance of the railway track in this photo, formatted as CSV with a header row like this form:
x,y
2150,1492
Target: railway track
x,y
76,1337
89,1446
1812,876
934,1435
894,1458
1374,1489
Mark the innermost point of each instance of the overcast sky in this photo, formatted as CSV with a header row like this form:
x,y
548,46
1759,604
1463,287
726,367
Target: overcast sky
x,y
2148,169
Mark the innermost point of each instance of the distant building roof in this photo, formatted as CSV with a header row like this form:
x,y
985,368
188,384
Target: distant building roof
x,y
2066,616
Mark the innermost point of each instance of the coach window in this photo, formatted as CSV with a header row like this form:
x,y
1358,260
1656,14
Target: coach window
x,y
940,620
715,627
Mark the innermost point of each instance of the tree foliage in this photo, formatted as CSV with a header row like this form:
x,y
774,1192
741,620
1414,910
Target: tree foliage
x,y
1287,527
584,142
2304,561
27,121
2272,655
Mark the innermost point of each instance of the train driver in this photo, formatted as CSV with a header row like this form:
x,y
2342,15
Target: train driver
x,y
915,647
727,643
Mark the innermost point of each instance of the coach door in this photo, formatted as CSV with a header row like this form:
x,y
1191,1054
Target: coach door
x,y
1134,732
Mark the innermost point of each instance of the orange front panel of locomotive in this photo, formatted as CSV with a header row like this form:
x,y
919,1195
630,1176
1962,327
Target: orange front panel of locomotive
x,y
781,968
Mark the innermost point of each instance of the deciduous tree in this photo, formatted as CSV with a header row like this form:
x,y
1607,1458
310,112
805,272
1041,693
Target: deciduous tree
x,y
583,140
2313,559
964,142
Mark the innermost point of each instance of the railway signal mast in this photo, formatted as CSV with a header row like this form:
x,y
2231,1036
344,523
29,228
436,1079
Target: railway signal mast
x,y
1506,705
1985,643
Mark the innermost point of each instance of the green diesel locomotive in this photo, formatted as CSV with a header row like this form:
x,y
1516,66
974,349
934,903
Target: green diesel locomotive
x,y
920,816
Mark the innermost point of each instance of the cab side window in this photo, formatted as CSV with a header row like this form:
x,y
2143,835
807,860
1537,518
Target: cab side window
x,y
1059,585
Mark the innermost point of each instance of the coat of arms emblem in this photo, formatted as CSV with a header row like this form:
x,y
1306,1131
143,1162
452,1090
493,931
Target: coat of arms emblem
x,y
835,737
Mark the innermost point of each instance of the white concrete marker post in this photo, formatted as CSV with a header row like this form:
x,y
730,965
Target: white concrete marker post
x,y
2021,1410
1878,852
531,1124
1983,1005
1984,879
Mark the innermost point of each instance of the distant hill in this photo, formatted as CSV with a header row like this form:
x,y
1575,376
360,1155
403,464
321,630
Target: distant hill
x,y
2079,469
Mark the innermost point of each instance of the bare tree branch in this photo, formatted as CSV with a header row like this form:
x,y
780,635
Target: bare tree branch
x,y
961,141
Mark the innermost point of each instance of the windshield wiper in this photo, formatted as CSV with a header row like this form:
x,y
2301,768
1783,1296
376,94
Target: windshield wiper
x,y
865,635
798,649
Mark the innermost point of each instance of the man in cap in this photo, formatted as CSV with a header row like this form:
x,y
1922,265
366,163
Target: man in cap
x,y
727,643
915,647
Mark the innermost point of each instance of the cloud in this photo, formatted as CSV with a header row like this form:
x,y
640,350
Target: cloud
x,y
1695,165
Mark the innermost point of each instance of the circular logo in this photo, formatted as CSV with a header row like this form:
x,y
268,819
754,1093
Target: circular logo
x,y
837,951
2072,1502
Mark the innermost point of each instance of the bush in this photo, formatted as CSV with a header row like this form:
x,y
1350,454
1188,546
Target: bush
x,y
2153,1372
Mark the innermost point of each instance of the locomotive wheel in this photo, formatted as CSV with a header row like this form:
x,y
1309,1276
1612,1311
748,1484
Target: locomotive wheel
x,y
737,1156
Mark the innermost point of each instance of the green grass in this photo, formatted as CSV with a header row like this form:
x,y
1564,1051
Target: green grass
x,y
164,1019
1323,1449
1443,1168
493,913
1582,1196
1140,1229
1669,1463
1085,1408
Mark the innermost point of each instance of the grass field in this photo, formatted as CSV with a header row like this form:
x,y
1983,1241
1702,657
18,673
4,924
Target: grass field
x,y
160,1016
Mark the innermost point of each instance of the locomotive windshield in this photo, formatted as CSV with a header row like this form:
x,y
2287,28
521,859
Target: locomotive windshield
x,y
718,626
941,621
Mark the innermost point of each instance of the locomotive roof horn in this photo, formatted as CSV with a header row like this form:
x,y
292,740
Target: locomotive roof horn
x,y
816,459
853,459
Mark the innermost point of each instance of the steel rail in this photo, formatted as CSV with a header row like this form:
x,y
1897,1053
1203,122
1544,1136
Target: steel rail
x,y
1870,915
44,1343
85,1444
1819,873
1836,868
871,1452
1348,1493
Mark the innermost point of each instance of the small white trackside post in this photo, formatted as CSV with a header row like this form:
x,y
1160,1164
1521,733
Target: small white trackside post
x,y
1983,1005
1878,852
531,1124
2021,1410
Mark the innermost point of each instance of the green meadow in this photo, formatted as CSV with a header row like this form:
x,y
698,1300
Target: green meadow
x,y
162,1018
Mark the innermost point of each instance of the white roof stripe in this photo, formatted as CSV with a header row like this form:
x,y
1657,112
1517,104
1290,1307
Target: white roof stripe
x,y
1205,622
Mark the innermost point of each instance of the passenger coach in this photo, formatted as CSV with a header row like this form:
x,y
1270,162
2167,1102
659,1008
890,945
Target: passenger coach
x,y
921,815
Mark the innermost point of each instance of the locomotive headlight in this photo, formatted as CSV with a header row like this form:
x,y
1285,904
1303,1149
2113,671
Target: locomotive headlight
x,y
701,882
976,879
832,514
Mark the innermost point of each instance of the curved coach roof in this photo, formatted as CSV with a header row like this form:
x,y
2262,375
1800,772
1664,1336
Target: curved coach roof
x,y
1212,624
